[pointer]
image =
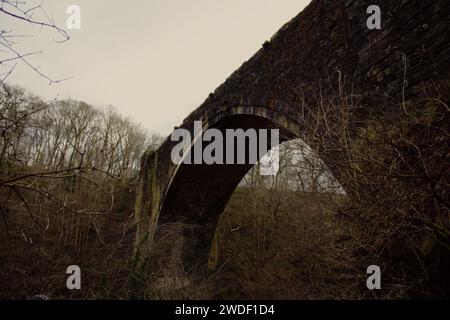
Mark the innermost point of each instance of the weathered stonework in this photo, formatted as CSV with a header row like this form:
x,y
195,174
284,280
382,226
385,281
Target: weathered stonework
x,y
324,51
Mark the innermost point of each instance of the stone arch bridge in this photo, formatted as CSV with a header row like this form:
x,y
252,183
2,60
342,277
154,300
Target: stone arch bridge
x,y
326,50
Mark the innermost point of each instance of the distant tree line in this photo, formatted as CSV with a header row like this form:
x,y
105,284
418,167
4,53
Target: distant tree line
x,y
66,156
67,134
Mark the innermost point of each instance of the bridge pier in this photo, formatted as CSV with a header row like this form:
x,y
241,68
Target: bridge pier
x,y
165,246
146,209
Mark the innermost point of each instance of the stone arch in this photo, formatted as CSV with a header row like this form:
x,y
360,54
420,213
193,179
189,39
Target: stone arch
x,y
192,197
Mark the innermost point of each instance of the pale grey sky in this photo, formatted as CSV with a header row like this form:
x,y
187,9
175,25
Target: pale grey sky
x,y
154,60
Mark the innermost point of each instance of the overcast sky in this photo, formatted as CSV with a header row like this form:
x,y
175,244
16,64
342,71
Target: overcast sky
x,y
154,60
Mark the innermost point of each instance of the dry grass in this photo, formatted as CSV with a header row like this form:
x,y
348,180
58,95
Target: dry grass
x,y
287,251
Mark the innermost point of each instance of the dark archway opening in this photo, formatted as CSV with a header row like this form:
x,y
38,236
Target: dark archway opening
x,y
199,193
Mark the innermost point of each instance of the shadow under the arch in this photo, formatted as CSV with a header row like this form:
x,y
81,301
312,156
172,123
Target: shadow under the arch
x,y
196,197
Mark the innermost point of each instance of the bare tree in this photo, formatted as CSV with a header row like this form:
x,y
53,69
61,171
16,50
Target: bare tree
x,y
28,13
